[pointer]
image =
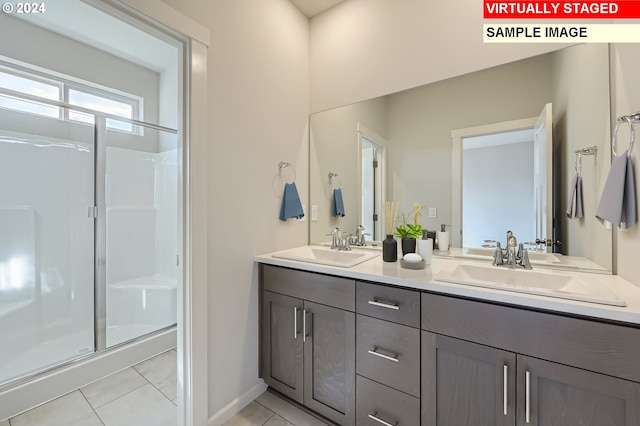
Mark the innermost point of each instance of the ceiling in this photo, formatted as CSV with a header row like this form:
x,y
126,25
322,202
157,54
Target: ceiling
x,y
311,8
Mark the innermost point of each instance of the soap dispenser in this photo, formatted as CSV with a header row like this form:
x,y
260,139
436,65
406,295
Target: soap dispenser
x,y
443,238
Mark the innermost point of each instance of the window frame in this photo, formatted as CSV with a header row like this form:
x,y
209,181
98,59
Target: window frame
x,y
66,83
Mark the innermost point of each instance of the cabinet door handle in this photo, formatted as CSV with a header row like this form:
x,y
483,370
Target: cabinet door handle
x,y
295,322
304,325
384,305
375,417
505,374
387,357
527,409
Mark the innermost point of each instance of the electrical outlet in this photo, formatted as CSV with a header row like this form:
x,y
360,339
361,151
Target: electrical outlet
x,y
314,213
433,212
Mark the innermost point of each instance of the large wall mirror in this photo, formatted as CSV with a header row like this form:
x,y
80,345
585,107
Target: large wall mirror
x,y
402,147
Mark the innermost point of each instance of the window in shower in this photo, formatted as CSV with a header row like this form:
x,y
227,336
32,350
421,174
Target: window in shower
x,y
52,86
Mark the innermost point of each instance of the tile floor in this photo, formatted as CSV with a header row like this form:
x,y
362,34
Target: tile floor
x,y
145,395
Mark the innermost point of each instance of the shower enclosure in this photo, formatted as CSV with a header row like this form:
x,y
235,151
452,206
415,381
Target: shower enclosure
x,y
88,233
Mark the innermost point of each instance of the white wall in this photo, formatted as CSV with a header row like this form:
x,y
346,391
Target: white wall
x,y
573,107
625,68
366,48
258,115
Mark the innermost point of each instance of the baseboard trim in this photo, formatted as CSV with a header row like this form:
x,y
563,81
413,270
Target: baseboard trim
x,y
232,408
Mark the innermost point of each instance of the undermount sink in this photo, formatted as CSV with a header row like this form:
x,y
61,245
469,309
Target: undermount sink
x,y
542,283
326,256
534,256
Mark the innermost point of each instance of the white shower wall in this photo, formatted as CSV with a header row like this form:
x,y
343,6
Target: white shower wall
x,y
141,196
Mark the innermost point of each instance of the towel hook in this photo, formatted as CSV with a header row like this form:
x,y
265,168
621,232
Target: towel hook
x,y
281,166
629,120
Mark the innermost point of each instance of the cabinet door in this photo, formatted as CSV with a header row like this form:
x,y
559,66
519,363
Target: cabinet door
x,y
555,394
329,357
466,384
282,351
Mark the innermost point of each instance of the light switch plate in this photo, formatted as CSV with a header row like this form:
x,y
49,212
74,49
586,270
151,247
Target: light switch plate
x,y
314,213
433,212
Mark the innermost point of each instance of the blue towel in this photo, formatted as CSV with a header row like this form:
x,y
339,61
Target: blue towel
x,y
618,201
338,204
291,205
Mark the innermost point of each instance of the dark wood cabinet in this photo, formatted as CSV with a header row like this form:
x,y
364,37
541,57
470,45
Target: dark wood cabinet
x,y
416,357
556,394
308,348
465,383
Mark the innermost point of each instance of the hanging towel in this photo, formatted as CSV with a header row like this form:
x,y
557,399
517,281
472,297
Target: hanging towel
x,y
575,208
618,201
338,204
291,206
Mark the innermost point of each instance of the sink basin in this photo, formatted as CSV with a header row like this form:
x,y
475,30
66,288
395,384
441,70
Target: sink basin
x,y
542,283
533,255
326,256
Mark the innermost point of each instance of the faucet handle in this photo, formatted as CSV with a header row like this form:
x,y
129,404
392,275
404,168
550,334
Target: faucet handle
x,y
498,258
524,260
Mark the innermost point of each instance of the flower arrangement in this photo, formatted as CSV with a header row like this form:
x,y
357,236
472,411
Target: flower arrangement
x,y
408,230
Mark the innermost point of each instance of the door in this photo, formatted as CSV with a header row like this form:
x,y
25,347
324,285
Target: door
x,y
329,357
282,339
465,383
542,174
555,394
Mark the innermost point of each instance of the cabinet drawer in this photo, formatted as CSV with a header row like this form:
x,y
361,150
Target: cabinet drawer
x,y
325,289
592,345
388,353
388,303
384,403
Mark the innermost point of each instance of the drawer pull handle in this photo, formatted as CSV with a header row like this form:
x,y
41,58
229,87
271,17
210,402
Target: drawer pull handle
x,y
384,305
295,322
387,357
505,374
527,415
375,417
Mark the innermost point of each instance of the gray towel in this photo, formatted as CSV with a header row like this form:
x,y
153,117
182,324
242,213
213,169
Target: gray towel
x,y
291,205
618,201
575,208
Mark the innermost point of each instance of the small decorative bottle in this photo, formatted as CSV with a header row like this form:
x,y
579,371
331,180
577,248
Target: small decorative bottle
x,y
390,249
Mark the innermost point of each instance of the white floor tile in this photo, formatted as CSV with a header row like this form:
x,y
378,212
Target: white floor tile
x,y
253,414
112,387
144,406
288,411
68,410
161,372
276,420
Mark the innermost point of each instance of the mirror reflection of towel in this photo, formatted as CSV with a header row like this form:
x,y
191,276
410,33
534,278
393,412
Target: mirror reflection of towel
x,y
338,204
575,208
291,205
618,201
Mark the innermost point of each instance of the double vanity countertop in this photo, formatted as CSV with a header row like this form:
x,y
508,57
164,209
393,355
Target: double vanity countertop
x,y
376,270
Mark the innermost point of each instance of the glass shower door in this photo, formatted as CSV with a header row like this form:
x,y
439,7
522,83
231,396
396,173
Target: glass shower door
x,y
46,240
141,202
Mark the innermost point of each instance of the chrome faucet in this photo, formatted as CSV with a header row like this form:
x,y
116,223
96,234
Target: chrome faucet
x,y
514,256
339,240
359,238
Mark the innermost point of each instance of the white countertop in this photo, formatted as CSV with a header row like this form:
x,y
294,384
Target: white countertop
x,y
391,273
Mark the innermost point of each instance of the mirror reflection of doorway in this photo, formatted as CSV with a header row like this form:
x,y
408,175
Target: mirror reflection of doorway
x,y
372,187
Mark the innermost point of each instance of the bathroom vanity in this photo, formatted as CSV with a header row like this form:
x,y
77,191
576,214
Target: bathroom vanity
x,y
375,344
